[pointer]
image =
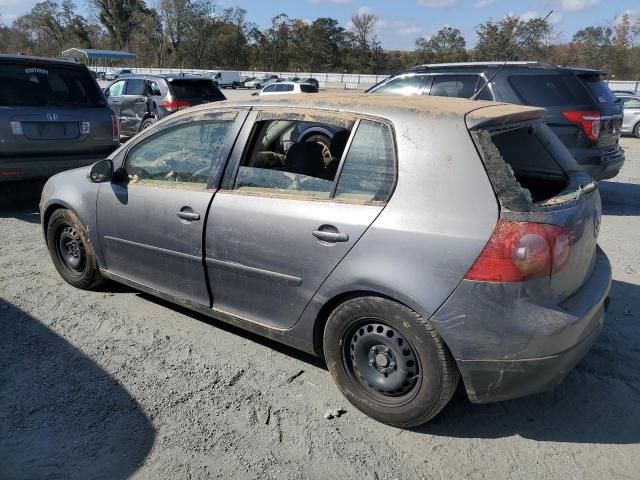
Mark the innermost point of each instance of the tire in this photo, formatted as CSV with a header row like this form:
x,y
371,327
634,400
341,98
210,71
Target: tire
x,y
234,85
636,130
385,375
258,87
147,122
319,138
71,250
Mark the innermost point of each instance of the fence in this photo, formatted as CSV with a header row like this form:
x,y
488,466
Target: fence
x,y
631,86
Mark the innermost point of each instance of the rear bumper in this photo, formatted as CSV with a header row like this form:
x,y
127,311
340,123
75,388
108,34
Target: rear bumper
x,y
39,168
602,167
507,347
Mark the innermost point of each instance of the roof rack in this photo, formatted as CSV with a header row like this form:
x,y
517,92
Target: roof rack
x,y
483,64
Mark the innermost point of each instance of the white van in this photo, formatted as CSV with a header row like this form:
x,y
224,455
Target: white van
x,y
226,79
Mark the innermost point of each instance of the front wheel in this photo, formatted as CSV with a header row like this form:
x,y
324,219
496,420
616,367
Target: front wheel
x,y
147,122
389,361
636,130
71,250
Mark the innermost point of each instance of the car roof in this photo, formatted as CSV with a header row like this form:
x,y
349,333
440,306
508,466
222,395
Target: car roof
x,y
34,59
141,76
495,65
388,106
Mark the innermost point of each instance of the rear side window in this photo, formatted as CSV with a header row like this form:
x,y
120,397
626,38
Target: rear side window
x,y
460,86
368,173
47,85
550,90
599,90
308,89
404,85
195,89
135,87
154,89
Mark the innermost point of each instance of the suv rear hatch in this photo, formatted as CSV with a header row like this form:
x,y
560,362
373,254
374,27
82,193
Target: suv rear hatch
x,y
49,108
537,181
188,92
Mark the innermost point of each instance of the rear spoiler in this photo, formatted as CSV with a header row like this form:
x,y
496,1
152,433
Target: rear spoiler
x,y
496,115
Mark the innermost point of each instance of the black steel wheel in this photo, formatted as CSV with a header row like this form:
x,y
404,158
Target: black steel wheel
x,y
389,361
71,250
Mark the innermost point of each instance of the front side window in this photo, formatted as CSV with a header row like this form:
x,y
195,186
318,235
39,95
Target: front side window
x,y
631,103
270,88
459,86
403,85
184,156
116,90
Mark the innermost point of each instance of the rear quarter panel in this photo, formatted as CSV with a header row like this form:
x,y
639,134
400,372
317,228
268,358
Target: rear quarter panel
x,y
435,225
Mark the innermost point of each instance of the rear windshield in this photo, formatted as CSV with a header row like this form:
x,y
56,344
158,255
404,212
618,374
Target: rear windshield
x,y
526,163
308,89
195,89
24,85
598,88
550,90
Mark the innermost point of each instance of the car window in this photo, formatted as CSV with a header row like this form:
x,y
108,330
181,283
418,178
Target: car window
x,y
117,89
599,90
195,89
270,88
459,86
403,85
277,165
154,89
183,156
287,88
368,173
631,102
550,90
46,84
135,86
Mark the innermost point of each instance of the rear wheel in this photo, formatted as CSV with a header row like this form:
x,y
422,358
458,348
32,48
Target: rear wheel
x,y
71,250
147,122
389,361
636,130
258,87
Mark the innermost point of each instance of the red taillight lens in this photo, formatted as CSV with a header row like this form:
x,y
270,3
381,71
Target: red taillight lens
x,y
115,128
175,105
519,251
590,122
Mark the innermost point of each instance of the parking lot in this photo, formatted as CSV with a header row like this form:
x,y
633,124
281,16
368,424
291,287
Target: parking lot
x,y
117,384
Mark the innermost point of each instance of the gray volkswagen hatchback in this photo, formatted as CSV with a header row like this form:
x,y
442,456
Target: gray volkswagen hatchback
x,y
53,117
437,239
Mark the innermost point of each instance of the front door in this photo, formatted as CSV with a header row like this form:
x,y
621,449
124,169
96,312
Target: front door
x,y
151,220
115,95
283,220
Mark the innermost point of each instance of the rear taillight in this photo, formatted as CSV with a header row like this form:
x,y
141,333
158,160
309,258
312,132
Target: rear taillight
x,y
589,121
175,105
519,251
115,128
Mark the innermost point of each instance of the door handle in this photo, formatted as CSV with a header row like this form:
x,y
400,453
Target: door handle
x,y
189,216
115,100
330,236
141,100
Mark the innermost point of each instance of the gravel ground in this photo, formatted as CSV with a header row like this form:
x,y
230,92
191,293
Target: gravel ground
x,y
115,384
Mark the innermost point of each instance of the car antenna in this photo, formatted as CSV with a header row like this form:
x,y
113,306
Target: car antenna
x,y
477,94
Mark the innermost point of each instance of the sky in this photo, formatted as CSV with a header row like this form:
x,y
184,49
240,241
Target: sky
x,y
402,21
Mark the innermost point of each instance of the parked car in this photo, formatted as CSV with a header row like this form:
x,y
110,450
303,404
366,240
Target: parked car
x,y
141,100
581,109
117,74
258,83
631,121
225,79
53,117
494,272
310,80
280,88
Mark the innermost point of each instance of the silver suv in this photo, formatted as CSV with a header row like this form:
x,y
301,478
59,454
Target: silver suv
x,y
53,117
435,239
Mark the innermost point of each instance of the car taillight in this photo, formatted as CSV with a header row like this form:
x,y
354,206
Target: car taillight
x,y
590,122
115,128
175,105
519,251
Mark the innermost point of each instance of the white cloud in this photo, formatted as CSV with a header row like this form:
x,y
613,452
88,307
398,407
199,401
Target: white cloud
x,y
399,27
437,3
484,3
579,5
554,19
332,2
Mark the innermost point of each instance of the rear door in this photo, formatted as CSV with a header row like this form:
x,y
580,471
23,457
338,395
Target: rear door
x,y
49,109
280,225
151,219
611,111
134,106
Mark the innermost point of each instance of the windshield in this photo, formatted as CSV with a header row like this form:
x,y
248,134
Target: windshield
x,y
24,85
195,89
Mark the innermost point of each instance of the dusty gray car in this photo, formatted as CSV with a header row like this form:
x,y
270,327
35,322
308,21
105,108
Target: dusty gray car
x,y
439,238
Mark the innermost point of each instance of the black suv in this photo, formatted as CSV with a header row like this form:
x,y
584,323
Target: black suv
x,y
140,100
582,110
53,117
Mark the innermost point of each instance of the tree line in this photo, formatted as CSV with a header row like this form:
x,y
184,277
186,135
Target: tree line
x,y
199,34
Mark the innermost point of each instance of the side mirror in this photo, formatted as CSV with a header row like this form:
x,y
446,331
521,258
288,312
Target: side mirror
x,y
101,171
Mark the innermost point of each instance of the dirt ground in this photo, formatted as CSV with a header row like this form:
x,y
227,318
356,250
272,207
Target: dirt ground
x,y
116,384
